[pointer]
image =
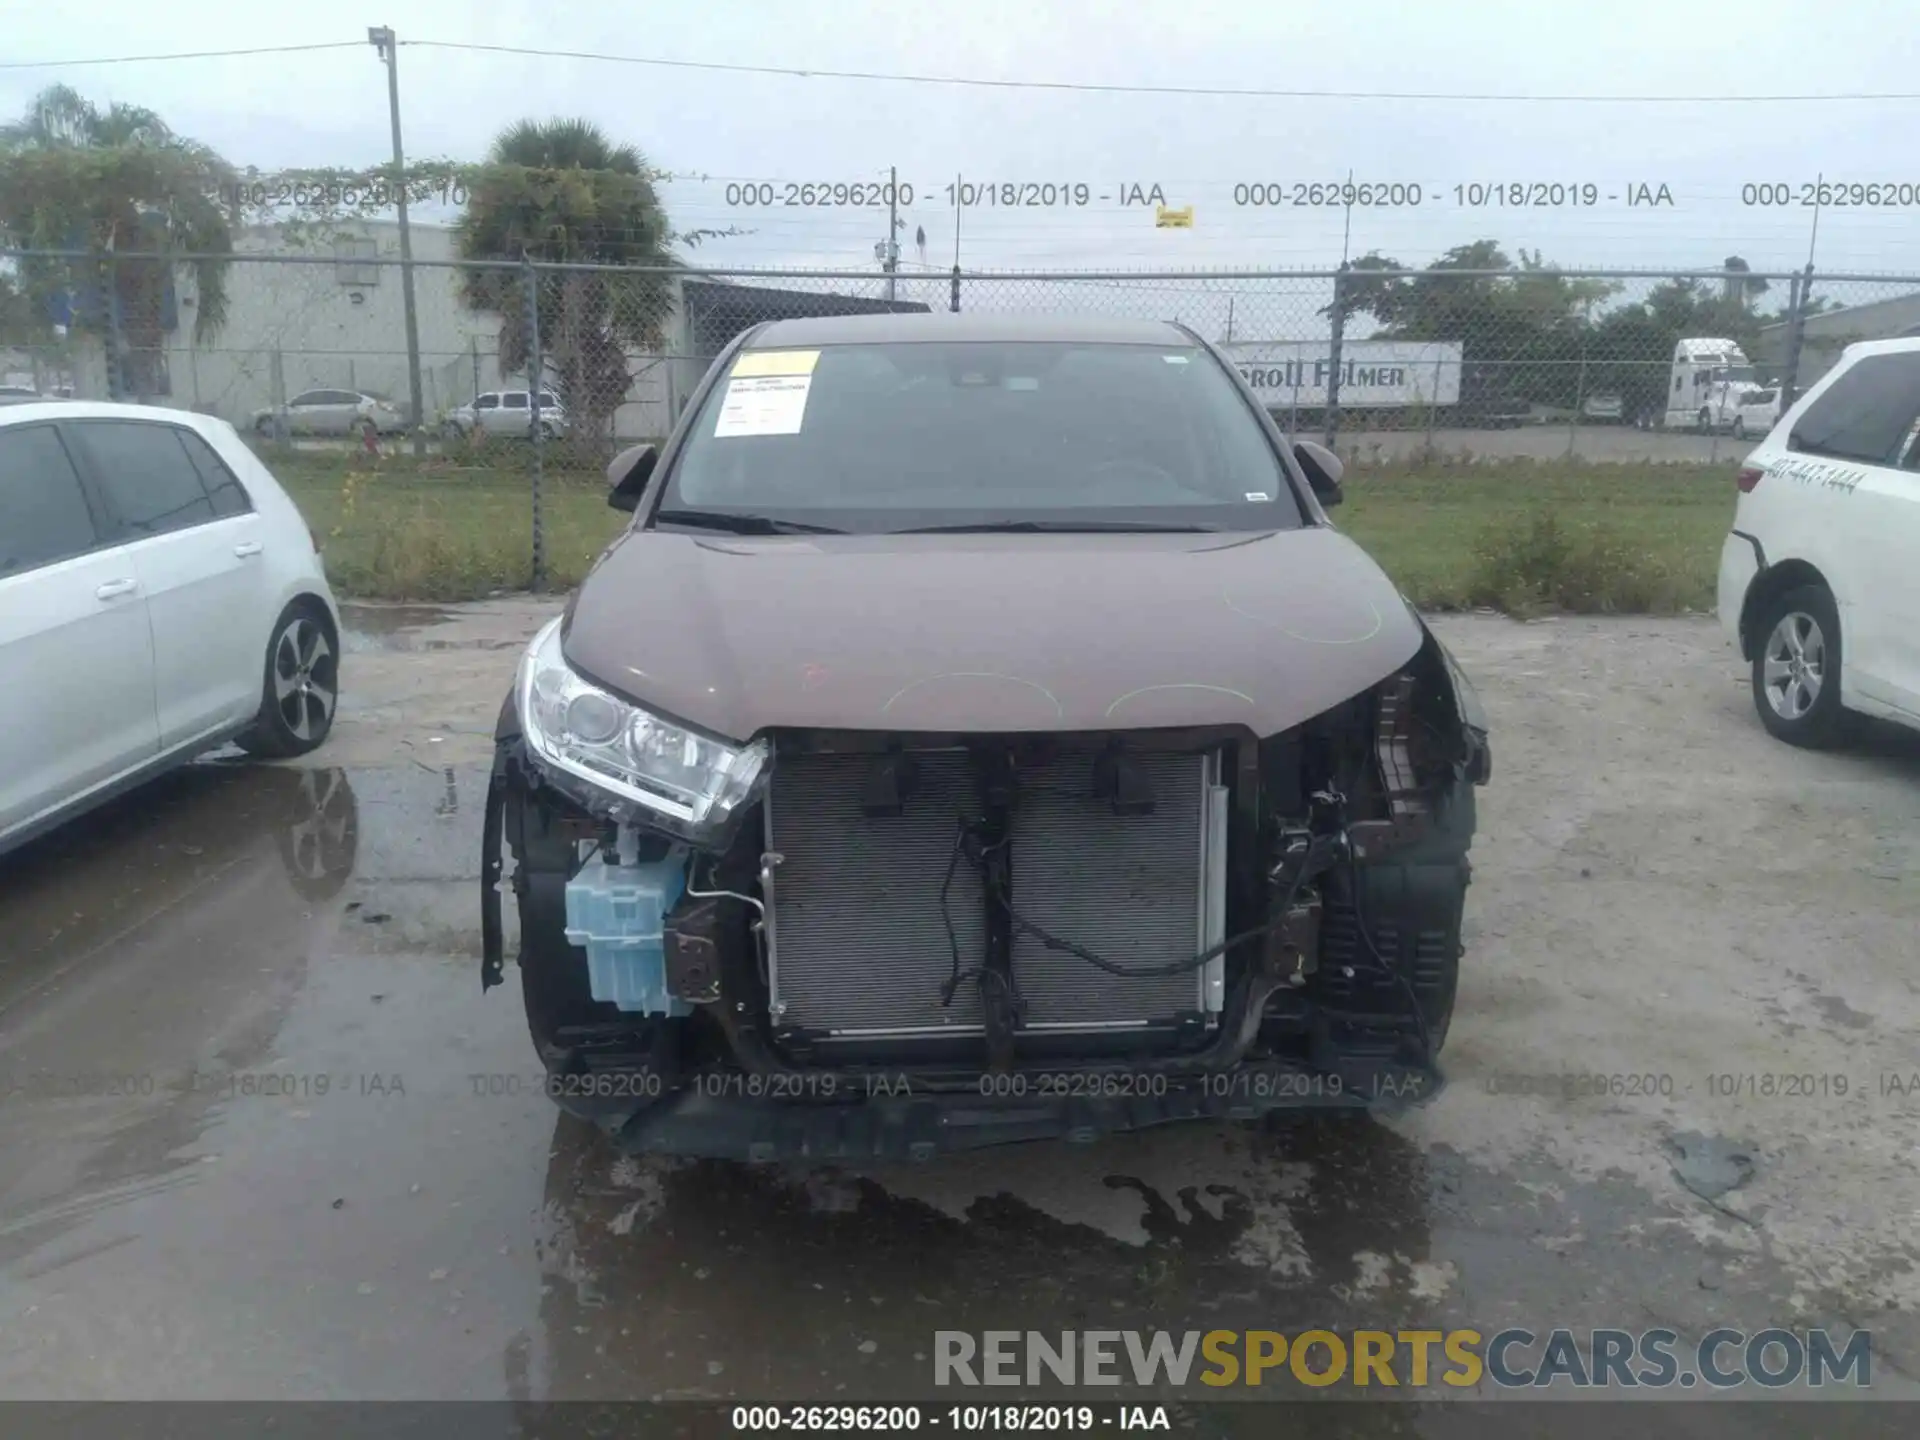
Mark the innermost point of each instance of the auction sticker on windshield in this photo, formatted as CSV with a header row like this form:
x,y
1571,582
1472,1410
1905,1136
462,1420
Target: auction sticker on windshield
x,y
763,405
775,362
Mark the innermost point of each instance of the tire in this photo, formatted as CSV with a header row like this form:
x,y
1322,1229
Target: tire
x,y
300,685
263,427
1796,668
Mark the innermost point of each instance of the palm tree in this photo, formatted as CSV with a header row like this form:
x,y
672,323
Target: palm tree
x,y
559,191
1739,286
76,177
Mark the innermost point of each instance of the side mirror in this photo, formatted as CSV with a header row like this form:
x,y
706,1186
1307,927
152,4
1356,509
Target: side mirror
x,y
1323,469
627,476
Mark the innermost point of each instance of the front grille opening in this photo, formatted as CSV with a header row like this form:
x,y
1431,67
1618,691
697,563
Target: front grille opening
x,y
863,950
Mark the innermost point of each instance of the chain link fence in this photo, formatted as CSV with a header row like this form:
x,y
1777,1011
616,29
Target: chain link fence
x,y
1400,368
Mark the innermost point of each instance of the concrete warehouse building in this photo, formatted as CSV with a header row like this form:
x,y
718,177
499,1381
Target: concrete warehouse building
x,y
1825,335
339,323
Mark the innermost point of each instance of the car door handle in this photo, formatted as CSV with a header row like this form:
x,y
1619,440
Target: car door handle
x,y
247,548
114,589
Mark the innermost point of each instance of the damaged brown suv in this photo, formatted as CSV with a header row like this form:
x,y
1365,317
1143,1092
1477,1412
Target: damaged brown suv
x,y
980,735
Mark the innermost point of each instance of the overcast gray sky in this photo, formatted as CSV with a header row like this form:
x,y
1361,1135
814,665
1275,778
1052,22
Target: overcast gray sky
x,y
329,108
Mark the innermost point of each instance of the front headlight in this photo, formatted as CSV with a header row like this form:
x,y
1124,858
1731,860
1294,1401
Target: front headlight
x,y
623,761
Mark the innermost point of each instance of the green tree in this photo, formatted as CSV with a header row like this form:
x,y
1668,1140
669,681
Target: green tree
x,y
76,177
561,192
20,324
1522,332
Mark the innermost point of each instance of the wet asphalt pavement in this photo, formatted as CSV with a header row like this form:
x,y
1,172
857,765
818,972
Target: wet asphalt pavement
x,y
262,1135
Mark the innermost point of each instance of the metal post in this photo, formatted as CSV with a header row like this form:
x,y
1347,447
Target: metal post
x,y
116,344
277,384
383,40
1580,383
1800,296
536,375
1338,340
959,205
893,227
1433,407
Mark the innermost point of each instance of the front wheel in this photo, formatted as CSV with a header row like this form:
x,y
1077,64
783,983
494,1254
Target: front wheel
x,y
302,686
1796,668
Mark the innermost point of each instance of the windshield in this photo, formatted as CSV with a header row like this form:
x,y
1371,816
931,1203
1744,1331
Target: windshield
x,y
889,437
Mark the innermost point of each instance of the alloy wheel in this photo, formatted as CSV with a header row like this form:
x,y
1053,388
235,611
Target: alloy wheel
x,y
305,678
1794,665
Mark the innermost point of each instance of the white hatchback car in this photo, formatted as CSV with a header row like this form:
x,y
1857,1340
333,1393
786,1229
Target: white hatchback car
x,y
159,596
1820,575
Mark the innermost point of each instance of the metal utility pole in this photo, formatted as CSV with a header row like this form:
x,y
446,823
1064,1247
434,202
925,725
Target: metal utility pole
x,y
537,378
893,227
381,37
959,204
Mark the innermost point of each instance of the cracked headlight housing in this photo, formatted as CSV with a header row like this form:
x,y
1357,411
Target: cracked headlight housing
x,y
1472,713
624,762
1473,717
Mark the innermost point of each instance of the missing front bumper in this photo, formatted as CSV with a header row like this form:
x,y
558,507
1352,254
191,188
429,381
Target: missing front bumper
x,y
722,1122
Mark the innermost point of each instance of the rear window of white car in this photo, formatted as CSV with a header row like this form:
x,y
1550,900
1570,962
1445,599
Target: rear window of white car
x,y
222,485
1866,414
147,476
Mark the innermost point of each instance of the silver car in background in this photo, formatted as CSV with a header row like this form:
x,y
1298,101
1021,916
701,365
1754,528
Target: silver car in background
x,y
332,412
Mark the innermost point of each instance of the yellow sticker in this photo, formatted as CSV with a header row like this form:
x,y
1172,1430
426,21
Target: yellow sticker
x,y
775,362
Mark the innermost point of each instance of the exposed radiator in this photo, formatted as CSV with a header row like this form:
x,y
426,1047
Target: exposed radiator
x,y
858,943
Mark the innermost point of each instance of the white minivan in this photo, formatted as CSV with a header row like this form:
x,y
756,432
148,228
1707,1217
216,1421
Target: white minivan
x,y
1820,575
160,595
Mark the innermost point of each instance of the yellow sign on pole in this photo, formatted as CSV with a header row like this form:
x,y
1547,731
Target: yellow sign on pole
x,y
1165,218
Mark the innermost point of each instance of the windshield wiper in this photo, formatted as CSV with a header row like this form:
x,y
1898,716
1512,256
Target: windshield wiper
x,y
1059,527
741,524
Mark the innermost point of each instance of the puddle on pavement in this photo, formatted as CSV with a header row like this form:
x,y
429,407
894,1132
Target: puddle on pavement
x,y
451,1240
377,628
658,1272
378,620
409,628
190,837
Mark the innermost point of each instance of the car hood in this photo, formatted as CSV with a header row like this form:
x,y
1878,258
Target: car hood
x,y
968,633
